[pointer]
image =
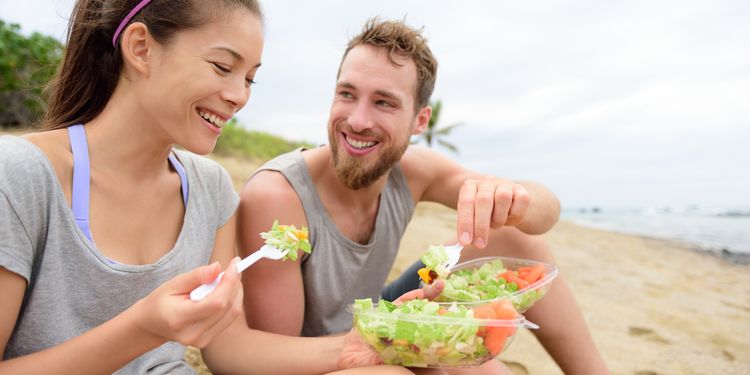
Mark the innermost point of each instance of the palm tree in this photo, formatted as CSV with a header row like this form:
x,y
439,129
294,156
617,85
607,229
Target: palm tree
x,y
433,133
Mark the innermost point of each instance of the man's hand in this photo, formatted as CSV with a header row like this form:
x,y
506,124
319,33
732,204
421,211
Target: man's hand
x,y
356,353
430,292
487,203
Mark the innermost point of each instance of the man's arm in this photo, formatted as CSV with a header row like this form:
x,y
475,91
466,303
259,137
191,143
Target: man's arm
x,y
482,201
274,294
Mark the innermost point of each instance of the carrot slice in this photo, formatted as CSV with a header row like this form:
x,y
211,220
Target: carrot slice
x,y
506,275
485,311
518,281
504,310
534,274
494,340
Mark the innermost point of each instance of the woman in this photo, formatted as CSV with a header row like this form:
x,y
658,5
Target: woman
x,y
106,228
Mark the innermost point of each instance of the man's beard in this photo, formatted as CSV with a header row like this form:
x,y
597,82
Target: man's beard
x,y
351,171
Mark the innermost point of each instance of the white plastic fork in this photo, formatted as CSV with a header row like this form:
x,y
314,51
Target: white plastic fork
x,y
454,254
267,251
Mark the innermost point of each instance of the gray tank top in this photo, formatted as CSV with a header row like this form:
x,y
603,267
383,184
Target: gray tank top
x,y
340,270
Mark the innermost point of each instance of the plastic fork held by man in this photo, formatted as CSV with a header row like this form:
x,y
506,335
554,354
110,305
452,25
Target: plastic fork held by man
x,y
282,242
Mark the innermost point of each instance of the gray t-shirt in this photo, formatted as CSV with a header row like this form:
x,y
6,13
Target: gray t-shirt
x,y
339,269
72,286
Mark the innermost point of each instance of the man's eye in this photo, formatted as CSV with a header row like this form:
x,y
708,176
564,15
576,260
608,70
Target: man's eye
x,y
221,68
383,103
345,94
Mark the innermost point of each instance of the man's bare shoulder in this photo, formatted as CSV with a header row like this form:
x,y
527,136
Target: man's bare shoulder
x,y
426,170
421,163
268,186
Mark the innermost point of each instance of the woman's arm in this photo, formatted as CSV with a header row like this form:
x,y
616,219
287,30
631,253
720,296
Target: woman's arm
x,y
104,349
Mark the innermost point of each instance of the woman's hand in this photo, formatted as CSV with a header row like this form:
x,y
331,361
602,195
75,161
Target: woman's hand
x,y
169,314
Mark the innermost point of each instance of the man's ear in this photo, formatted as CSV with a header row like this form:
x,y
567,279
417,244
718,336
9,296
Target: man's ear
x,y
135,45
423,118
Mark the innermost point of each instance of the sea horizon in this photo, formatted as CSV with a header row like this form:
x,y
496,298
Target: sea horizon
x,y
723,231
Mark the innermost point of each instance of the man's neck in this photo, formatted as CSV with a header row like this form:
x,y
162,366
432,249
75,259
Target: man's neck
x,y
353,211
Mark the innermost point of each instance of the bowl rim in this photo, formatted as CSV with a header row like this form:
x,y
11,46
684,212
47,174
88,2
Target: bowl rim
x,y
519,321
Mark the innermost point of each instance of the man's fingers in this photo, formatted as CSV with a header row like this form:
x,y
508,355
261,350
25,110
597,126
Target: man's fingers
x,y
520,206
465,212
430,292
483,204
410,295
433,290
503,201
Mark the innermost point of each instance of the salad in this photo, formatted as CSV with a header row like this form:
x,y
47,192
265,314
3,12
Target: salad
x,y
493,281
287,237
423,333
434,259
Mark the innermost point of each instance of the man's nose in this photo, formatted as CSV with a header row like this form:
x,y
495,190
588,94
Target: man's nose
x,y
360,119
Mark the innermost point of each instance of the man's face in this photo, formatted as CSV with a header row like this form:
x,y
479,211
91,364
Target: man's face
x,y
372,116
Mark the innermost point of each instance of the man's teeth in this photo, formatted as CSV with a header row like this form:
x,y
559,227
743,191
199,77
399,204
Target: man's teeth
x,y
217,121
359,144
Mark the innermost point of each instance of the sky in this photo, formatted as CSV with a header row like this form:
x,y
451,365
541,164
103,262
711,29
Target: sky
x,y
642,103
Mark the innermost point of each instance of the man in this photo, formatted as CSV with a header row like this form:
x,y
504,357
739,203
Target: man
x,y
357,195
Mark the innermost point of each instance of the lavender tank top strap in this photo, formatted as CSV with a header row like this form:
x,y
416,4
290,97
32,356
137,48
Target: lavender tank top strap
x,y
81,178
183,176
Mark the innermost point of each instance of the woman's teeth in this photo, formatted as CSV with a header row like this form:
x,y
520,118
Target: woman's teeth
x,y
213,119
359,144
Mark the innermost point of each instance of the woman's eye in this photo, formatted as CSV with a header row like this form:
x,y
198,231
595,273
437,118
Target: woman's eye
x,y
250,81
221,68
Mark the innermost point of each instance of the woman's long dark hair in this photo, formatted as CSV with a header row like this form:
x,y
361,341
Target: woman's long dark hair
x,y
91,65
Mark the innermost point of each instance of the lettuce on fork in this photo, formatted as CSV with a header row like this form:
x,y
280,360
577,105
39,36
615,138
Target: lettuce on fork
x,y
287,237
434,259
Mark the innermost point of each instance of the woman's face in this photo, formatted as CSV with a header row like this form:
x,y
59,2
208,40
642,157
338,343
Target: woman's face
x,y
202,77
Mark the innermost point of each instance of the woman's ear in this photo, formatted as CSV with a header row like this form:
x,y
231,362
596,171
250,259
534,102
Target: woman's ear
x,y
423,118
136,47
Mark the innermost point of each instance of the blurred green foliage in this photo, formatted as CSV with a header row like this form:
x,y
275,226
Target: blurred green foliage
x,y
237,141
26,65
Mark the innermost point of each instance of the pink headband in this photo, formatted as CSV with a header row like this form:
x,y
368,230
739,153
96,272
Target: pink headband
x,y
127,19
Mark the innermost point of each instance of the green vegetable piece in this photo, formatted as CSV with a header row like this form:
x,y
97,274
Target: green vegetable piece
x,y
287,237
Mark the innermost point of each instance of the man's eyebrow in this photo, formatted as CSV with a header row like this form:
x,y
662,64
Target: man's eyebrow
x,y
234,54
345,85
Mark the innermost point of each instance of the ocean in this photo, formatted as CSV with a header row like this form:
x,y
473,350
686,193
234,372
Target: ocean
x,y
724,231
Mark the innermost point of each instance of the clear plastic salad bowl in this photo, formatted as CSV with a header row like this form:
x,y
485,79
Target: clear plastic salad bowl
x,y
421,333
497,278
